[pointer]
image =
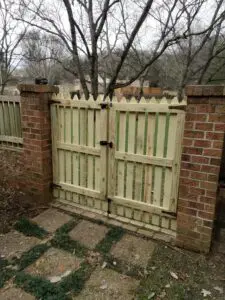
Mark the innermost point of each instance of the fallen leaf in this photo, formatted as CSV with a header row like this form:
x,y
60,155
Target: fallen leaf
x,y
54,279
174,275
151,296
104,285
205,293
219,289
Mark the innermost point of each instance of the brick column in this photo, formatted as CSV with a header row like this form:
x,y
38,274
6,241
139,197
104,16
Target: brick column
x,y
36,126
200,166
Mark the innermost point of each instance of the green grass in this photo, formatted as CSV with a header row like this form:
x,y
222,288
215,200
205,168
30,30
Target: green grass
x,y
194,274
31,256
113,236
63,241
29,228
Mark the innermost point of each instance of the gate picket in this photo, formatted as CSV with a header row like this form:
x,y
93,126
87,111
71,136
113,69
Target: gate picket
x,y
138,173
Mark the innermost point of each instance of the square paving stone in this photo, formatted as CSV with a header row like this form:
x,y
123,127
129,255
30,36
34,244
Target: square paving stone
x,y
106,284
133,250
88,234
14,294
54,264
14,244
52,219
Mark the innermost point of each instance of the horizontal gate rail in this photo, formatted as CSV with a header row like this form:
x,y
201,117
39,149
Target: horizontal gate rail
x,y
120,158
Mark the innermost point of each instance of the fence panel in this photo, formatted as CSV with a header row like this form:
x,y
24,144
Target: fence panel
x,y
144,162
79,161
10,122
119,158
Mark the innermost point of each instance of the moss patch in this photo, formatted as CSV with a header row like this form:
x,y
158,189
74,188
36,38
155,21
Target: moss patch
x,y
29,228
62,240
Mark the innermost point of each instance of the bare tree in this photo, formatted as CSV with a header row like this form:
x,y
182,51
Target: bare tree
x,y
90,25
11,34
41,53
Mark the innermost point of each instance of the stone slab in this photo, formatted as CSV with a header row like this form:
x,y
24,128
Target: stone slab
x,y
133,250
14,244
13,293
53,264
88,234
106,284
52,219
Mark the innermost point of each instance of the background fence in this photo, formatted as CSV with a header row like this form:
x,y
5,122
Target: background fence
x,y
10,122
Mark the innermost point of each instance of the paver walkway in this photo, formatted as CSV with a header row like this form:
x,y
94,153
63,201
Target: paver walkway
x,y
82,259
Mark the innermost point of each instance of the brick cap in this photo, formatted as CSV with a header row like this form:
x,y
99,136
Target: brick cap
x,y
36,88
205,90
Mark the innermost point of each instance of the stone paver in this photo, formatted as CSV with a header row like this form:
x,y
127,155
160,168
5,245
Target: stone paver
x,y
106,284
88,234
54,264
14,244
15,294
133,250
52,219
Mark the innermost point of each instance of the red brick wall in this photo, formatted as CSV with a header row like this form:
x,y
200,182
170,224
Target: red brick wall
x,y
30,170
200,166
36,127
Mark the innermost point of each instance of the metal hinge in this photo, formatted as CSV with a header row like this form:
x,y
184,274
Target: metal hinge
x,y
109,206
105,143
56,186
170,213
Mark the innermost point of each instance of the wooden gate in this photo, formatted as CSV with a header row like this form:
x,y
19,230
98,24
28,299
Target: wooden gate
x,y
119,158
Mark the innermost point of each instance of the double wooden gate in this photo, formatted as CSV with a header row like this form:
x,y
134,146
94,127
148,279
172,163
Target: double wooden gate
x,y
120,158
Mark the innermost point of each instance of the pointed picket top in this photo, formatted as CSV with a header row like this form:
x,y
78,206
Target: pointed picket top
x,y
99,99
153,100
75,98
114,99
123,100
91,98
175,101
164,100
55,97
133,100
142,100
67,95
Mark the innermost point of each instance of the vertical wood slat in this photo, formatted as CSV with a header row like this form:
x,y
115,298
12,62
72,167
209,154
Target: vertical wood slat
x,y
159,153
104,150
75,156
90,162
55,138
149,152
121,147
97,145
177,155
83,141
62,139
111,158
139,150
68,129
170,154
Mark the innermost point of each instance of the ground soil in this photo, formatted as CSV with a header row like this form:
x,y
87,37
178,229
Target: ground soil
x,y
14,205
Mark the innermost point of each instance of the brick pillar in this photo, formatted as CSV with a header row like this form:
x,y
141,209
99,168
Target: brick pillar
x,y
36,126
200,166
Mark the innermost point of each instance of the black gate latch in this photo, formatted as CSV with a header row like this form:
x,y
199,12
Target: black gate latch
x,y
105,143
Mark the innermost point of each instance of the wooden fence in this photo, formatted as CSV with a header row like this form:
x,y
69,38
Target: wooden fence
x,y
120,158
10,122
